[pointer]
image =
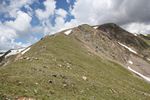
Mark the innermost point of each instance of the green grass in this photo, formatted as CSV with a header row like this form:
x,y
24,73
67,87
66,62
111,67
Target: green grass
x,y
106,80
146,38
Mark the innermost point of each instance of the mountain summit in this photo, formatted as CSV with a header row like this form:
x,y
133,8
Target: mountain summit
x,y
82,63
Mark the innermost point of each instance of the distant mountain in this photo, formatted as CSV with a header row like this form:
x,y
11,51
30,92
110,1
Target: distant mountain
x,y
117,33
82,63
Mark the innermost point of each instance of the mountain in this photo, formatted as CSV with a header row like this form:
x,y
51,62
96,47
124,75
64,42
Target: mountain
x,y
82,63
146,38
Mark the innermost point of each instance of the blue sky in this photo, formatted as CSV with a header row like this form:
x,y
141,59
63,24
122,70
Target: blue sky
x,y
60,4
30,7
24,22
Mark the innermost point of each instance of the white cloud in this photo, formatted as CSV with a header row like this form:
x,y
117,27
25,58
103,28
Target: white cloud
x,y
44,17
19,28
90,11
132,15
50,6
61,12
124,12
22,22
7,36
14,6
6,33
11,30
138,28
68,1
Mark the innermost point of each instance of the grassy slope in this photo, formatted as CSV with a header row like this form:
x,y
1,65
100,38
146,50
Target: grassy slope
x,y
105,79
148,41
146,38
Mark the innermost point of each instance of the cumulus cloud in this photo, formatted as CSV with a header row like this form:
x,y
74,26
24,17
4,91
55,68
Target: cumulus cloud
x,y
11,30
14,6
22,22
68,1
50,6
138,28
132,15
7,36
103,11
61,12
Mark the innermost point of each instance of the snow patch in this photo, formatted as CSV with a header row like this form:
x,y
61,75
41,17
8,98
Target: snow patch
x,y
148,59
26,50
135,34
84,78
67,32
130,62
131,50
144,77
95,27
17,51
145,34
1,55
14,52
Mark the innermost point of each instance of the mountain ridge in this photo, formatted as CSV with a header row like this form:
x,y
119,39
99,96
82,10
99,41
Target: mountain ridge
x,y
78,63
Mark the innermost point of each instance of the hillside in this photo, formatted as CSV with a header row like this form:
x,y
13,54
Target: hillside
x,y
82,63
145,38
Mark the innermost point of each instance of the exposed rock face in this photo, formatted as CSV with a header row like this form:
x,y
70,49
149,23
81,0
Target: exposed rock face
x,y
82,62
117,33
114,43
4,55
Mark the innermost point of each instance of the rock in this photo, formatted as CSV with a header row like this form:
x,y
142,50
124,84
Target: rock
x,y
26,90
43,46
50,81
68,65
25,98
36,58
27,58
24,57
62,76
84,78
54,75
45,67
64,85
51,92
36,83
112,90
82,91
59,65
35,91
20,82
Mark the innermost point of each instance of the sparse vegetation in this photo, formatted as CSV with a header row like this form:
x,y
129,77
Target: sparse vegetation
x,y
54,69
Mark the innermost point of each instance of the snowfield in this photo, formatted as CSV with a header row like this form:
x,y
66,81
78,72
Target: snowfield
x,y
25,50
130,62
95,27
135,34
145,34
67,32
1,55
131,50
144,77
14,52
148,59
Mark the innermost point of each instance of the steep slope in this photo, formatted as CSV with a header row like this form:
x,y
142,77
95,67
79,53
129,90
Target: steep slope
x,y
100,43
72,66
140,56
115,32
104,44
146,52
146,38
